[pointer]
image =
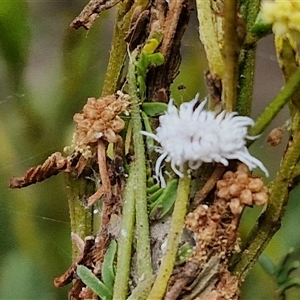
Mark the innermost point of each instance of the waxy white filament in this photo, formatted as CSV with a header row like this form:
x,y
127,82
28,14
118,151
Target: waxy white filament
x,y
194,136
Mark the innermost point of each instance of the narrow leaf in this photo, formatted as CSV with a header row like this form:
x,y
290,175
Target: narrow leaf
x,y
156,59
107,271
165,202
154,108
152,198
91,281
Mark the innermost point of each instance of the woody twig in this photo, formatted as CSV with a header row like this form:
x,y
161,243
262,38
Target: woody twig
x,y
91,12
106,186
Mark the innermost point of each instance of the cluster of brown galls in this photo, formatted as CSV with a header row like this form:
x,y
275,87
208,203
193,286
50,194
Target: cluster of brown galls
x,y
240,188
214,226
99,119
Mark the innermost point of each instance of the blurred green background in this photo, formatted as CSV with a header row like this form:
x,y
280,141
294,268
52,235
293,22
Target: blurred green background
x,y
47,71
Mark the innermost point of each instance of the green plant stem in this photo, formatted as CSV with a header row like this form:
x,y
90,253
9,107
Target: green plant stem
x,y
118,51
230,54
286,52
246,80
209,37
142,290
144,266
269,222
249,10
287,57
149,141
81,218
126,237
287,92
176,227
92,281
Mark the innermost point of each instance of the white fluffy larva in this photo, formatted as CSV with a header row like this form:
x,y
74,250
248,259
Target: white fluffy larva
x,y
194,136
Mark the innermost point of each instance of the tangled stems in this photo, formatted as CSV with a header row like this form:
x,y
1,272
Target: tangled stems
x,y
135,203
269,221
177,223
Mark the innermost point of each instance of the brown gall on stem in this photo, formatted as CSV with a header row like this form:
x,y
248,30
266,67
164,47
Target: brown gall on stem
x,y
99,120
275,137
97,125
214,227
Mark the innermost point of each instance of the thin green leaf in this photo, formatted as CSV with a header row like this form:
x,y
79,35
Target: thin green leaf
x,y
149,141
143,253
177,223
91,281
108,271
153,109
156,59
153,189
165,202
152,198
126,236
153,42
151,45
142,64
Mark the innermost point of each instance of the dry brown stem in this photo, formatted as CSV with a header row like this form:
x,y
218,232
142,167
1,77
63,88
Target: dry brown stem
x,y
85,258
98,122
53,165
137,32
205,280
91,12
93,252
209,185
105,187
173,23
226,288
182,279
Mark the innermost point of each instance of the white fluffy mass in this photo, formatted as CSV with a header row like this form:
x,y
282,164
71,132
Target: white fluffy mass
x,y
194,136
